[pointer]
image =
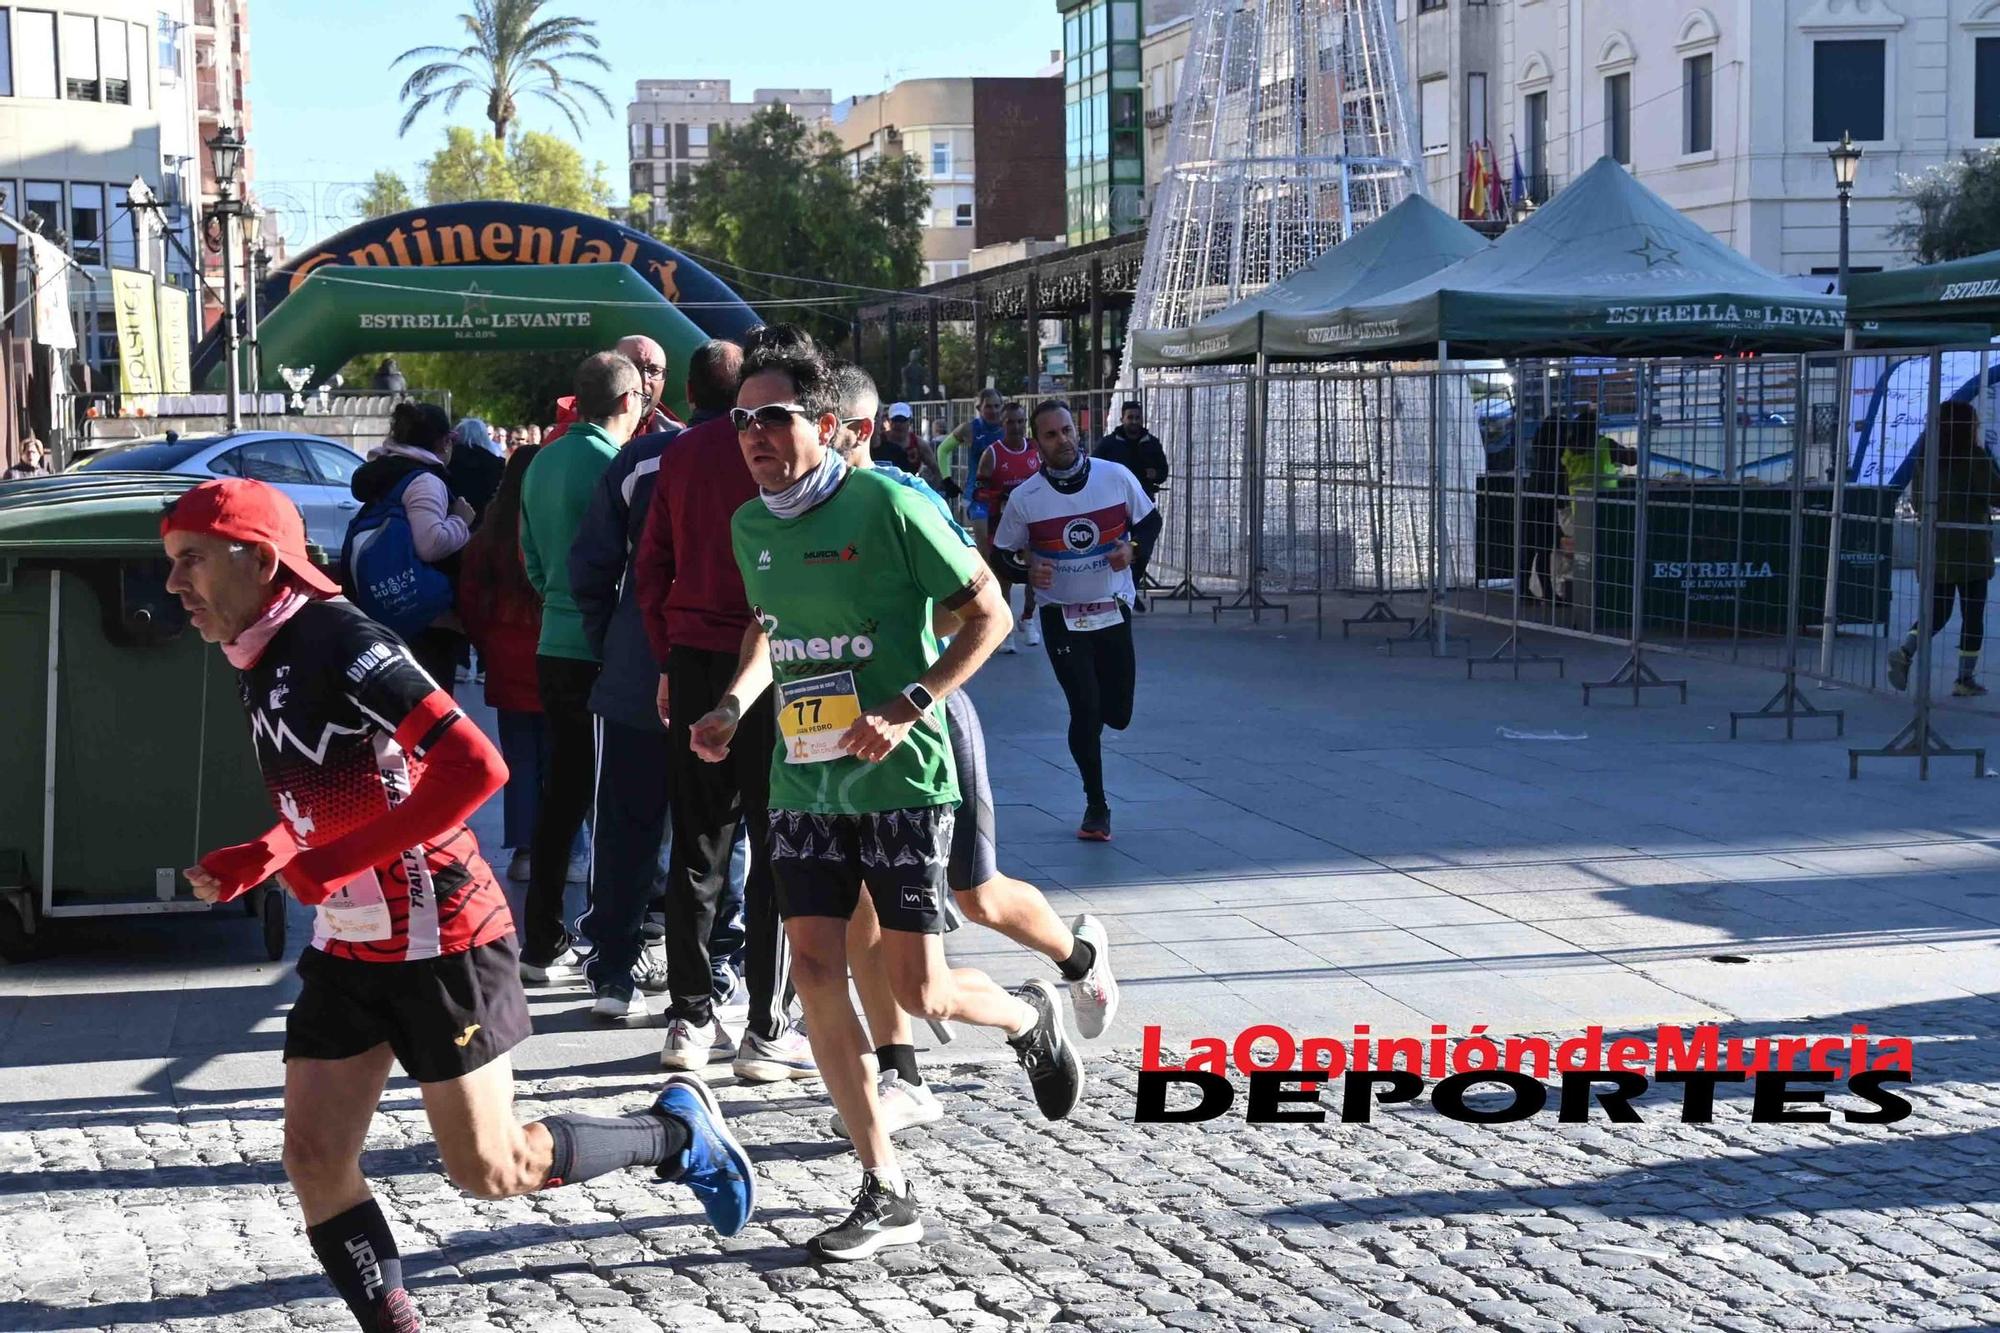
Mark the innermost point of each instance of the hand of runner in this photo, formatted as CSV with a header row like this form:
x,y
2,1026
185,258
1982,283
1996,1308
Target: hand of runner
x,y
1119,557
660,701
1041,573
206,886
710,736
877,732
462,510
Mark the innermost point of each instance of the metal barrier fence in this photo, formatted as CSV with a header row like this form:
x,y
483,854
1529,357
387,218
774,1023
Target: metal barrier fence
x,y
1827,518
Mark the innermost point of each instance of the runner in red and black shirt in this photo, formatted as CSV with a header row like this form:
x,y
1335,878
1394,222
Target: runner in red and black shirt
x,y
374,772
347,727
1003,468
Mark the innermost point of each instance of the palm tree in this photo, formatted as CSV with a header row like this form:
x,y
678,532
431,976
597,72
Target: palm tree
x,y
512,54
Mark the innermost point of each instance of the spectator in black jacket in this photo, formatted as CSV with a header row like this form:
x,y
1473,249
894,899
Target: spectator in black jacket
x,y
477,462
1140,452
1541,484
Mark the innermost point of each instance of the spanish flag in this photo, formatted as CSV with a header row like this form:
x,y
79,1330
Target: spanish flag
x,y
1479,191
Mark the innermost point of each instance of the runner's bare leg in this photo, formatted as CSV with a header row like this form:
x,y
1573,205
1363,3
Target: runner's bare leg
x,y
328,1104
487,1152
888,1025
819,971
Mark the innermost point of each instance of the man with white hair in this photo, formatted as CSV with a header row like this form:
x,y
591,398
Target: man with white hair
x,y
651,360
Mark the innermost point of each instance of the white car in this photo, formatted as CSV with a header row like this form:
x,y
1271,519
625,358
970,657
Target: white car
x,y
315,472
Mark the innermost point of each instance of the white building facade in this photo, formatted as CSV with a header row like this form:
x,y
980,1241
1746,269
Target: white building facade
x,y
670,123
1724,108
93,96
929,120
1162,60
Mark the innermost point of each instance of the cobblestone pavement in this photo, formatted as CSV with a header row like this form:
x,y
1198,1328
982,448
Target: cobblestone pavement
x,y
162,1218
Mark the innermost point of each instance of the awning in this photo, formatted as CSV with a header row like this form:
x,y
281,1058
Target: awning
x,y
1963,290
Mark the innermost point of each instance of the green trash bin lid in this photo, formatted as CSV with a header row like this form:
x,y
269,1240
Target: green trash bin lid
x,y
87,513
93,513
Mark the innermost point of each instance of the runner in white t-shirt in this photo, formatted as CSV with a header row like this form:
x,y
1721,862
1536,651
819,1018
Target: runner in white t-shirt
x,y
1074,521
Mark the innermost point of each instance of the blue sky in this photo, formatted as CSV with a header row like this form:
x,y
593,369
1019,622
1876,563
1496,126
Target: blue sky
x,y
324,106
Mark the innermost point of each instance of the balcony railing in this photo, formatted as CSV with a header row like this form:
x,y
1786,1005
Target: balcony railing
x,y
1505,210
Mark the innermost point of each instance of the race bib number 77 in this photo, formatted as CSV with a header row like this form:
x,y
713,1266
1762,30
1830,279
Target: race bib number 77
x,y
814,714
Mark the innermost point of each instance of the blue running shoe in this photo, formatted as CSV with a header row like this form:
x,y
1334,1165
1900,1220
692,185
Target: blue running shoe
x,y
714,1165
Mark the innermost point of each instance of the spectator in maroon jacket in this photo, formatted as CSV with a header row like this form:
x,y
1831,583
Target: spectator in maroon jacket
x,y
503,617
695,611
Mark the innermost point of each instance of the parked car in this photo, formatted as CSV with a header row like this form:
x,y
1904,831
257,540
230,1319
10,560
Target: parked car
x,y
316,472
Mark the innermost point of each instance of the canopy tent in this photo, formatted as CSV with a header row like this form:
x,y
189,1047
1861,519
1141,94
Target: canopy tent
x,y
338,313
1607,268
1961,290
1410,241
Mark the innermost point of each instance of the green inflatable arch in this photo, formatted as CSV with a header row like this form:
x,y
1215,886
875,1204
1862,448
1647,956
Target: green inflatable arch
x,y
340,313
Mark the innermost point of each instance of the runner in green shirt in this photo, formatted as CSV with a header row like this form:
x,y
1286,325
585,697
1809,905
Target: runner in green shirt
x,y
843,570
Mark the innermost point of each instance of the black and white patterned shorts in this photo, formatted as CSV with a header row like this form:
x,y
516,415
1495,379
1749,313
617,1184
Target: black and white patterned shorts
x,y
820,862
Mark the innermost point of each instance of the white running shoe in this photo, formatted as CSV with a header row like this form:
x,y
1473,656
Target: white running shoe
x,y
1007,645
1094,999
761,1061
904,1106
613,1006
692,1046
1031,632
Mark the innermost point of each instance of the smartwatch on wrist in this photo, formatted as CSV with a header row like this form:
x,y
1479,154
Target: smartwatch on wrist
x,y
920,698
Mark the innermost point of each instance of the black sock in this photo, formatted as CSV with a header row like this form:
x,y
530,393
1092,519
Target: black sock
x,y
358,1251
588,1146
1081,959
902,1059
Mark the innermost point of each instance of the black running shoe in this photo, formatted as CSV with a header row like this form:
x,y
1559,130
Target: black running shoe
x,y
1096,825
1048,1054
880,1219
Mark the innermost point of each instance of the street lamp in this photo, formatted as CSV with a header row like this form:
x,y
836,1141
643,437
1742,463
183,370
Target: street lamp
x,y
1846,159
226,155
225,150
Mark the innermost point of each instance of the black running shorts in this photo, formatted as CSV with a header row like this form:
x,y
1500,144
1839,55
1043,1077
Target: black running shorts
x,y
974,856
443,1017
820,862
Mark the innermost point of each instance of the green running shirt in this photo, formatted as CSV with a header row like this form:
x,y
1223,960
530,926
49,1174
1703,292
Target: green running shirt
x,y
849,587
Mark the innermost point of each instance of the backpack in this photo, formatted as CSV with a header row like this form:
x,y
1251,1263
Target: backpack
x,y
384,575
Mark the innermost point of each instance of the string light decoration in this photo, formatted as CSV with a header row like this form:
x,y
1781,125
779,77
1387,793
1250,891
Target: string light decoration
x,y
1291,132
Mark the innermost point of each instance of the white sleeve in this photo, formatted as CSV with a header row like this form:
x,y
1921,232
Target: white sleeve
x,y
1012,534
434,530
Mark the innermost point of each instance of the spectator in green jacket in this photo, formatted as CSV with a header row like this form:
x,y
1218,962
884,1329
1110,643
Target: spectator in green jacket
x,y
610,403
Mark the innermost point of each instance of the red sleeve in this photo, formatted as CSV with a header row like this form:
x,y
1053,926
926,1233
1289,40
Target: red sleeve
x,y
246,865
653,564
461,769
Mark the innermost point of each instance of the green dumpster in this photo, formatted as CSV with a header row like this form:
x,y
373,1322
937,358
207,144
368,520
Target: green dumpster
x,y
125,754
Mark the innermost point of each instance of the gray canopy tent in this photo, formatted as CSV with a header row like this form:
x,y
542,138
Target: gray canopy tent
x,y
1411,240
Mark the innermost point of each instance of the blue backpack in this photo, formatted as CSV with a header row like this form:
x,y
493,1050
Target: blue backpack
x,y
385,577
